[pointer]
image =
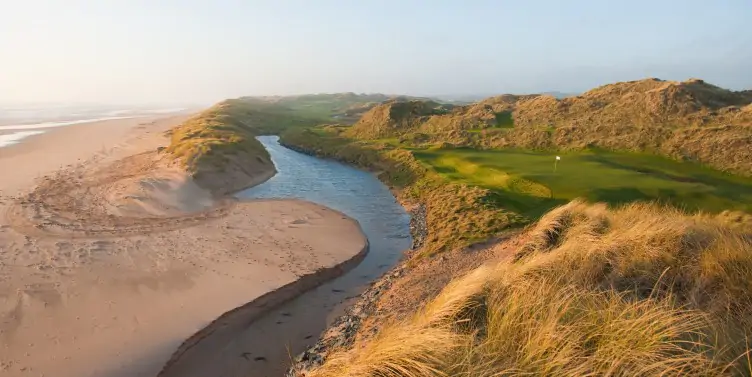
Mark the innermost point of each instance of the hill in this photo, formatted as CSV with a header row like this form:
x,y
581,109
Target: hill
x,y
396,117
637,290
687,121
218,147
466,99
327,107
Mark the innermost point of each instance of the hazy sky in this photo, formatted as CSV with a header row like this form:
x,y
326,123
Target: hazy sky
x,y
190,50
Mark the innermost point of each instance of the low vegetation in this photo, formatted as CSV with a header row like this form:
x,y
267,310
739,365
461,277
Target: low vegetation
x,y
211,137
472,195
639,290
219,148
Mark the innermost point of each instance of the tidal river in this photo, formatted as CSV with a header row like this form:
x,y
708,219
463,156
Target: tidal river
x,y
291,328
356,193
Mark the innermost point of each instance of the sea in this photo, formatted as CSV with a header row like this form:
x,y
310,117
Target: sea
x,y
20,121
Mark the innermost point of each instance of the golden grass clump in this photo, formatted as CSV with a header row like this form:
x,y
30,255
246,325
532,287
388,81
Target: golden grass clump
x,y
639,290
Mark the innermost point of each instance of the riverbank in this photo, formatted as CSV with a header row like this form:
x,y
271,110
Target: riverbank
x,y
293,326
104,236
431,202
393,295
458,215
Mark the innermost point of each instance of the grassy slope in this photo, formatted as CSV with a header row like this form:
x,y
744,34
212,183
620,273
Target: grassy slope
x,y
686,121
206,138
471,195
638,291
218,146
635,291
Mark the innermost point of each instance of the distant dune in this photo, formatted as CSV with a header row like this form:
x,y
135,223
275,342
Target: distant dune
x,y
690,120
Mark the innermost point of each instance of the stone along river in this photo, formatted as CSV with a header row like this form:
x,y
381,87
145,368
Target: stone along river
x,y
292,327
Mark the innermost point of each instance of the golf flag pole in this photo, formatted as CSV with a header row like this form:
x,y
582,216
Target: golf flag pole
x,y
556,161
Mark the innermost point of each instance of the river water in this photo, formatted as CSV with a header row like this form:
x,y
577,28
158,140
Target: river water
x,y
296,325
356,193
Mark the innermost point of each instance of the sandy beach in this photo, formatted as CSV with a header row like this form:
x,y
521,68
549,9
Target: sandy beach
x,y
111,257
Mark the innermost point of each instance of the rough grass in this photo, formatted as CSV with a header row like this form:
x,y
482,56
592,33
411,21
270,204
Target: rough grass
x,y
640,290
472,195
685,121
208,139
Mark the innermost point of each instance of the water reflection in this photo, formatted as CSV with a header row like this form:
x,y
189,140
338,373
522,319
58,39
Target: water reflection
x,y
354,192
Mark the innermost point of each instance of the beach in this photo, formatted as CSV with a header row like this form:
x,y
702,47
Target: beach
x,y
111,257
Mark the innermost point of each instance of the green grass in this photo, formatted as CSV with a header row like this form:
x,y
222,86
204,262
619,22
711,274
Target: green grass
x,y
321,110
323,107
596,175
504,119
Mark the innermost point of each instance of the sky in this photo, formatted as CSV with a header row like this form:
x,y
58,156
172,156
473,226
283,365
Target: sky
x,y
180,51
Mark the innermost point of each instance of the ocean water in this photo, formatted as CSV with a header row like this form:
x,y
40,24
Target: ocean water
x,y
16,137
19,121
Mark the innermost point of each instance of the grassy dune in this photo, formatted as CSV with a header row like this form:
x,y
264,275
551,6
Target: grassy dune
x,y
218,146
635,291
685,121
209,137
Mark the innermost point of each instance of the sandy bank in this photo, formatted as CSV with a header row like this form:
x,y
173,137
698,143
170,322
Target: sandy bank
x,y
110,257
209,351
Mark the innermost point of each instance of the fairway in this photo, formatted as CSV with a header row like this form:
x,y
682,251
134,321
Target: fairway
x,y
529,180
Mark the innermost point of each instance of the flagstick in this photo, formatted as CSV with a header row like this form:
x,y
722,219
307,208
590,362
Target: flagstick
x,y
556,162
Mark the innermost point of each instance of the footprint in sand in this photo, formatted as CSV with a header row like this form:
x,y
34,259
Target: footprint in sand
x,y
99,245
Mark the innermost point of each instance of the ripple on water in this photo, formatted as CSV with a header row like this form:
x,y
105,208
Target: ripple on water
x,y
356,193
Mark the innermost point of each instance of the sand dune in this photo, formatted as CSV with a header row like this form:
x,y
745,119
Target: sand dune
x,y
110,256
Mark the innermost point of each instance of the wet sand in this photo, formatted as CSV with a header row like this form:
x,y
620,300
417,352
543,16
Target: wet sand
x,y
110,257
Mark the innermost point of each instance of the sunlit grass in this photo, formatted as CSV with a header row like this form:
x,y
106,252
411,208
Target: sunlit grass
x,y
636,291
596,175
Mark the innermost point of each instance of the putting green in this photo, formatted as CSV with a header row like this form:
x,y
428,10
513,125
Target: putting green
x,y
530,179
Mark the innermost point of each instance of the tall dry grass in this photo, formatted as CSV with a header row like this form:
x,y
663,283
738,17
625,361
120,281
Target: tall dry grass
x,y
639,290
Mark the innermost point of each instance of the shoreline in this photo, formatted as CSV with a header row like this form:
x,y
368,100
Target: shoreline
x,y
292,326
260,306
342,330
168,267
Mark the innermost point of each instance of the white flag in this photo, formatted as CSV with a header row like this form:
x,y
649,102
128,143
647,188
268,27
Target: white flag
x,y
558,158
